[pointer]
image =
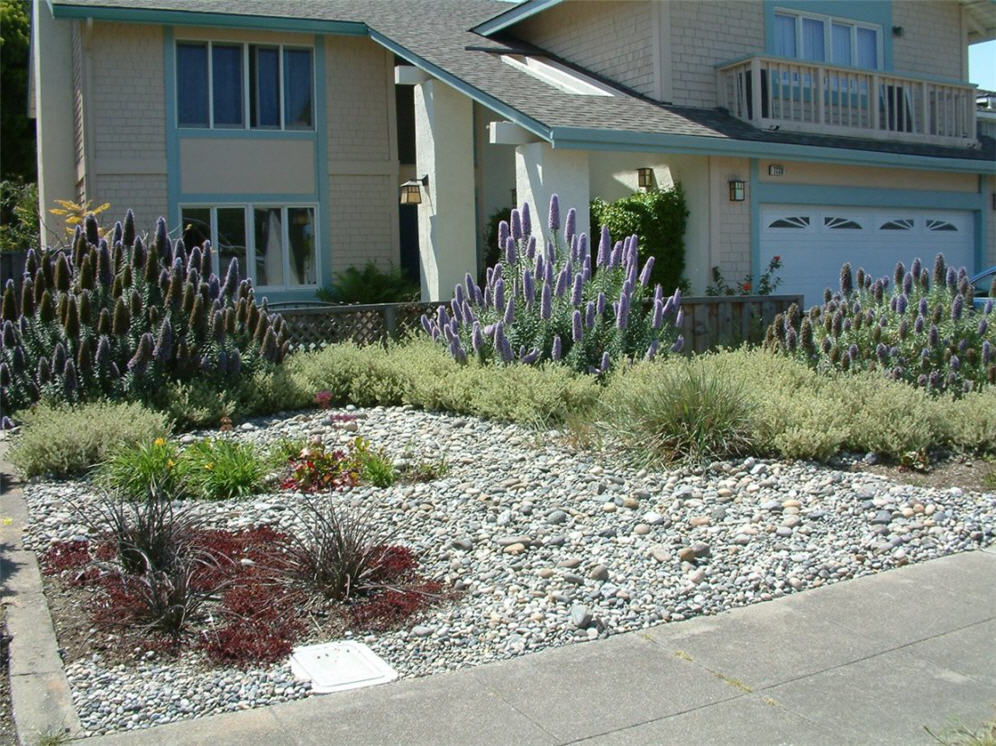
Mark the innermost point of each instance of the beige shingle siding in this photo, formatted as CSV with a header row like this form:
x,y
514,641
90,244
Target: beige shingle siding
x,y
145,194
704,34
615,39
932,42
732,243
363,213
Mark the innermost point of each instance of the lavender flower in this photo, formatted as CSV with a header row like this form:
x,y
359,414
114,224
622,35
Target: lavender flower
x,y
540,266
586,268
615,256
577,331
902,303
957,306
499,296
458,294
509,312
457,351
988,307
70,382
987,352
678,344
164,344
528,287
934,336
557,349
908,283
983,327
882,353
561,285
600,303
504,231
527,223
511,256
846,281
918,325
658,318
546,303
952,278
477,339
605,362
652,350
648,268
577,290
442,318
679,320
531,357
531,248
426,325
604,247
554,216
570,225
468,313
516,227
589,315
622,317
955,363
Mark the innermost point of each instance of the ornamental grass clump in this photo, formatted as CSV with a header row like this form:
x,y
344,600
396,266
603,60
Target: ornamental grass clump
x,y
919,327
121,318
550,301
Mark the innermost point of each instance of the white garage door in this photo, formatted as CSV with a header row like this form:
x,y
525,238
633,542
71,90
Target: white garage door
x,y
813,243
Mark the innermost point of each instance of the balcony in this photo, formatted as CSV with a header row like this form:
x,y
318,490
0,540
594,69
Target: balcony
x,y
798,96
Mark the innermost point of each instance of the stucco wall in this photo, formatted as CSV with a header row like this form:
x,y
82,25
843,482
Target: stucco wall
x,y
494,173
703,34
881,178
362,153
730,220
933,40
615,39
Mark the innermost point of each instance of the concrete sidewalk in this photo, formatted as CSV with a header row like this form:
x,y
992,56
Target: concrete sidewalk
x,y
869,661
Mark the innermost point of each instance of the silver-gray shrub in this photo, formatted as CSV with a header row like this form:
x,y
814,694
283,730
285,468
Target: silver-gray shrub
x,y
557,300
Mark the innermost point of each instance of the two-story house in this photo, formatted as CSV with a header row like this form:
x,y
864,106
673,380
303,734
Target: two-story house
x,y
819,131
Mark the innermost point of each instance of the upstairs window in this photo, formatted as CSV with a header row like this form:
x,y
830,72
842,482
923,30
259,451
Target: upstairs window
x,y
836,41
223,85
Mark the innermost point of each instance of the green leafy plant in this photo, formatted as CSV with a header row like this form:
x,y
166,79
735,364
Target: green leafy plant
x,y
372,464
555,304
315,468
422,470
767,282
658,217
114,318
220,468
492,250
372,284
922,331
63,440
19,229
132,469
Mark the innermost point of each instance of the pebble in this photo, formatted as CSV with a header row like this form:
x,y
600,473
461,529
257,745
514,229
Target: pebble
x,y
761,529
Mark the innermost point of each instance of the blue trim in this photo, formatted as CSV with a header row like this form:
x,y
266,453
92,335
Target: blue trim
x,y
194,18
754,195
219,133
499,106
172,138
323,232
509,17
258,198
811,194
580,138
878,12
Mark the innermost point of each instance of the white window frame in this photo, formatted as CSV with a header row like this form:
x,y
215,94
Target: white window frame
x,y
247,91
828,22
248,217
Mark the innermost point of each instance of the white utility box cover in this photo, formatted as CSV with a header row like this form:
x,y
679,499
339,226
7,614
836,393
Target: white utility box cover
x,y
337,666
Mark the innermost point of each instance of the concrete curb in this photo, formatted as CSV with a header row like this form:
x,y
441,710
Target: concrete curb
x,y
41,700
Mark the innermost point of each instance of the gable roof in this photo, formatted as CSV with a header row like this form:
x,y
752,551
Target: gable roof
x,y
438,36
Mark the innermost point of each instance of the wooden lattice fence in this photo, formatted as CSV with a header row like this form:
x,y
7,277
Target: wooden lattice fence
x,y
709,322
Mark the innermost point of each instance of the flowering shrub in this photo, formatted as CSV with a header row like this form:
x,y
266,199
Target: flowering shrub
x,y
318,469
554,303
116,318
919,328
767,282
323,399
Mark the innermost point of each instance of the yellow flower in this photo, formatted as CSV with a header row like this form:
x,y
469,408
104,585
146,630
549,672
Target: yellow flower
x,y
6,521
159,442
209,467
170,463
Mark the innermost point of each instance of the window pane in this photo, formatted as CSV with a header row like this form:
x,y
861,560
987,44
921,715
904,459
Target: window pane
x,y
264,78
785,36
301,230
813,46
196,225
269,254
226,70
867,48
841,37
297,88
191,85
231,240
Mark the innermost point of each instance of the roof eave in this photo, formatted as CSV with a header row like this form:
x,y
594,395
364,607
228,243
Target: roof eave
x,y
513,15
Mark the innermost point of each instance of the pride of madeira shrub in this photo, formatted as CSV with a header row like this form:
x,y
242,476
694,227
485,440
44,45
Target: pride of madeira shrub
x,y
552,302
120,318
921,330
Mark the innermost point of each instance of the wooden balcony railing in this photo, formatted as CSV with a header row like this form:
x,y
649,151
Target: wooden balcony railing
x,y
799,96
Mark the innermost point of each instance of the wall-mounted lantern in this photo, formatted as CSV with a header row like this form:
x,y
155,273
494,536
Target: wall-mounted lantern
x,y
411,191
738,190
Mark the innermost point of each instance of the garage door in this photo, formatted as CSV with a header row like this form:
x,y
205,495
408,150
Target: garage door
x,y
813,243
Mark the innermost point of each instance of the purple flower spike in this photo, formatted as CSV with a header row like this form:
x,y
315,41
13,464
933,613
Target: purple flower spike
x,y
658,293
934,335
658,318
577,331
908,283
468,313
477,338
531,248
509,312
622,312
918,325
983,327
531,357
468,284
511,255
589,315
554,217
499,298
557,349
647,269
677,296
586,268
615,256
426,325
923,307
575,256
457,310
540,266
652,350
604,247
989,307
458,294
902,303
955,363
442,318
606,362
600,304
528,287
957,306
679,320
577,290
503,232
952,278
987,352
561,286
516,227
571,224
6,423
527,222
546,303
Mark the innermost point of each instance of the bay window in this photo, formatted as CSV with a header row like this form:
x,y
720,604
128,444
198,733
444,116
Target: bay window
x,y
275,244
226,85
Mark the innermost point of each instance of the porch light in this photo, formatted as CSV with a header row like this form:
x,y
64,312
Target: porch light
x,y
738,190
411,191
645,178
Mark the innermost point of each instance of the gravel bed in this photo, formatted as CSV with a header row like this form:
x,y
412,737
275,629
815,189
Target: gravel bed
x,y
550,546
